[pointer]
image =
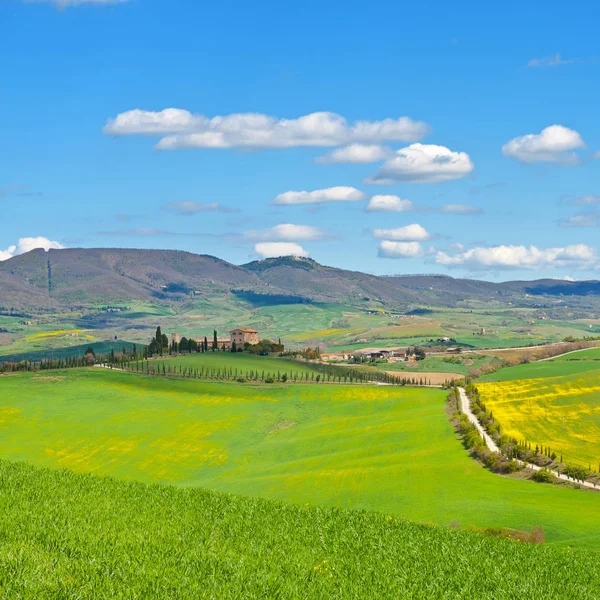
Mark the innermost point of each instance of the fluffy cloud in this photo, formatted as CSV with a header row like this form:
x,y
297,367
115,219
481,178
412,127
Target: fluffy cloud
x,y
549,61
461,209
287,232
28,244
357,153
191,208
423,163
275,249
578,256
332,194
553,144
409,233
388,203
389,249
183,129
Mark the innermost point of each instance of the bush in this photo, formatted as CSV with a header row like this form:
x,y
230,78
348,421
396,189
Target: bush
x,y
544,476
269,380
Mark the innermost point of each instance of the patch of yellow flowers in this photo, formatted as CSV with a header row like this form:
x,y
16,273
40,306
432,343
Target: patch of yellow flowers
x,y
324,569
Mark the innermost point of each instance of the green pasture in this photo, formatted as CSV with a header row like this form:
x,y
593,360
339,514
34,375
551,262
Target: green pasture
x,y
77,536
557,367
373,447
438,364
242,361
592,354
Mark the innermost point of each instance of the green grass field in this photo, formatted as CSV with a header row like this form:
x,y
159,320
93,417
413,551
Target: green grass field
x,y
82,537
238,360
379,448
439,364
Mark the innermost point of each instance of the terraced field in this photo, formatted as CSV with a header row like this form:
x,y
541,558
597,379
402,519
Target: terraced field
x,y
374,447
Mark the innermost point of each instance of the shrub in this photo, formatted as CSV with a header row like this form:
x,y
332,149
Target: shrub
x,y
544,476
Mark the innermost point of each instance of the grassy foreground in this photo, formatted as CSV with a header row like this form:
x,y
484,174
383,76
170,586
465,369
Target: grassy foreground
x,y
75,536
374,447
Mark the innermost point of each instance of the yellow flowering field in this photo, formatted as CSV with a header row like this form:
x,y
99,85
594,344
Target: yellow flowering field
x,y
561,412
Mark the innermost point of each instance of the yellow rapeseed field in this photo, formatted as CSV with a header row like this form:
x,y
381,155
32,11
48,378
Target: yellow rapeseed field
x,y
560,412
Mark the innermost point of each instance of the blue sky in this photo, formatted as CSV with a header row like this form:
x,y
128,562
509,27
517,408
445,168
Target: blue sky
x,y
474,127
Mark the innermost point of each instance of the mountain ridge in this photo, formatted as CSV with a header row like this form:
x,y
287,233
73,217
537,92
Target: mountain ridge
x,y
88,276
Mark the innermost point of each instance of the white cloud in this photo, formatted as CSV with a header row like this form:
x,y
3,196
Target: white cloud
x,y
457,246
287,232
588,200
275,249
461,209
409,233
423,163
578,256
389,249
553,144
333,194
596,154
183,129
388,203
67,3
357,153
583,219
549,61
187,207
28,244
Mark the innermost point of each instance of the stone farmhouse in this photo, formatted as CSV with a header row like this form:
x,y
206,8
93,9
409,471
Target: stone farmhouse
x,y
242,336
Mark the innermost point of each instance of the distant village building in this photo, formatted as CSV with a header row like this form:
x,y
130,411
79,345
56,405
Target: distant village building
x,y
243,336
483,331
223,343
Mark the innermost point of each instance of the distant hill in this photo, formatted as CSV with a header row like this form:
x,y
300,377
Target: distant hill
x,y
87,277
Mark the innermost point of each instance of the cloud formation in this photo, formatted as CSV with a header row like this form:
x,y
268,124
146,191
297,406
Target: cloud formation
x,y
357,153
188,207
461,209
582,219
423,163
408,233
183,129
388,203
333,194
286,232
275,249
549,61
589,200
554,144
28,244
578,256
389,249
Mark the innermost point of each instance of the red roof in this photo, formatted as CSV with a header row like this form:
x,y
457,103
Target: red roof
x,y
245,330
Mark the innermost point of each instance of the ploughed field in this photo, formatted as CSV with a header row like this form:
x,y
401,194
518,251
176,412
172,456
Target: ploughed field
x,y
66,535
381,448
553,403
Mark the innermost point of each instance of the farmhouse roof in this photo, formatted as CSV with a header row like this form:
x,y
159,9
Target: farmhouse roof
x,y
245,330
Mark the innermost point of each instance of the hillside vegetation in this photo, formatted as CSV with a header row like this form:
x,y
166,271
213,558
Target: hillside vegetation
x,y
73,536
375,447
